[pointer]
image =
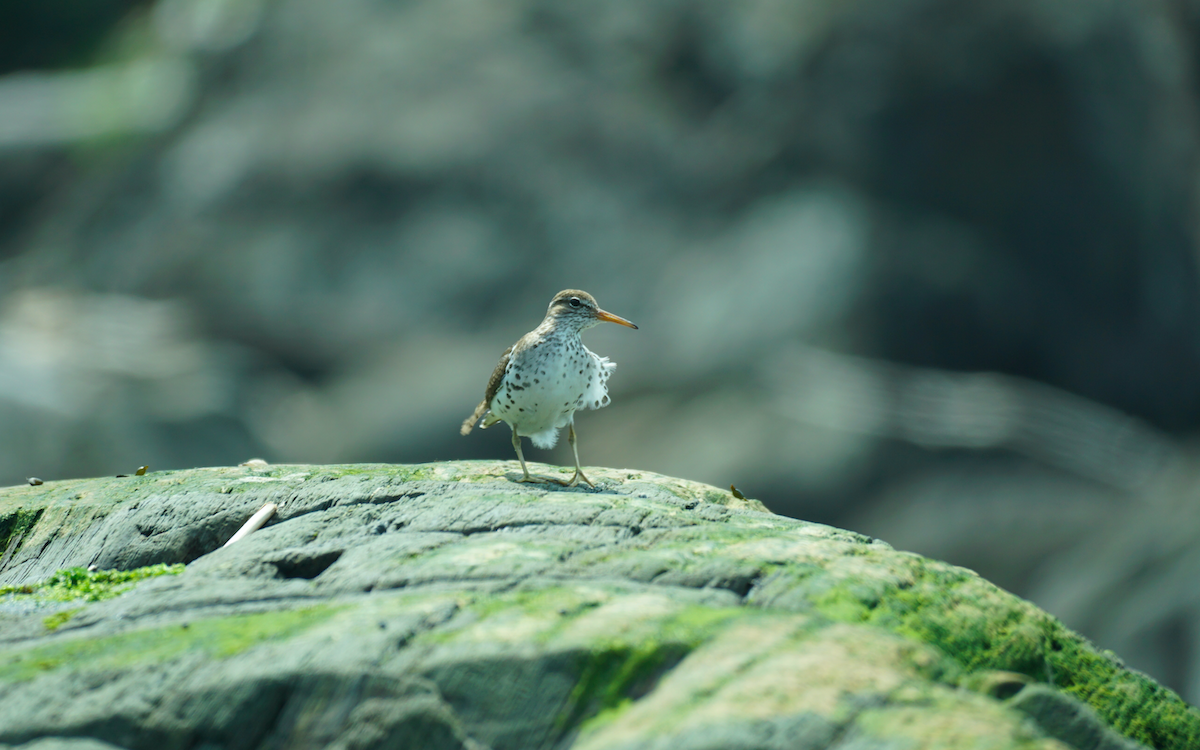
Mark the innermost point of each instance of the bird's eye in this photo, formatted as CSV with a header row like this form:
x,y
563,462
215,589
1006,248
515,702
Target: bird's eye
x,y
575,302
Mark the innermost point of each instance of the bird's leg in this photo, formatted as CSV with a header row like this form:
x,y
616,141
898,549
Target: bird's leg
x,y
578,469
521,457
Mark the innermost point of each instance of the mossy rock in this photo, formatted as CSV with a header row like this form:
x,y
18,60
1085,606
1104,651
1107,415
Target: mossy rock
x,y
446,606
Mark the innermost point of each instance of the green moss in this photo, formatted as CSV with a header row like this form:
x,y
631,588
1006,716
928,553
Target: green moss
x,y
401,472
611,678
15,526
78,583
218,637
529,603
475,478
681,492
58,619
1131,702
610,672
932,716
984,628
614,674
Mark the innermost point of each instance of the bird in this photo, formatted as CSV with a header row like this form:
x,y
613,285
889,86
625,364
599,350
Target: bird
x,y
548,375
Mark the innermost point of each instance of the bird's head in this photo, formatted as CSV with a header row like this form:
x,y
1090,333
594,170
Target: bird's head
x,y
578,309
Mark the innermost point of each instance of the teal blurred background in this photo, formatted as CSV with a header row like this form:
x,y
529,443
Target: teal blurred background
x,y
926,269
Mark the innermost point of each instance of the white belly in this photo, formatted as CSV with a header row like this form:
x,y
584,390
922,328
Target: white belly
x,y
540,394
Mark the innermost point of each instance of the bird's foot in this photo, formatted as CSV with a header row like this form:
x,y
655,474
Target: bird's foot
x,y
575,480
533,479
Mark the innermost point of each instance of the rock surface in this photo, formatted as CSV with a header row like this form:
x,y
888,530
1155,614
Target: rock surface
x,y
445,606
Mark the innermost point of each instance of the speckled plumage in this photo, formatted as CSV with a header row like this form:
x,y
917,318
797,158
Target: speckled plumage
x,y
548,375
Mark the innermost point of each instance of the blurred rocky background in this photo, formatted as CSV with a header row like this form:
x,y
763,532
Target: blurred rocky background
x,y
926,269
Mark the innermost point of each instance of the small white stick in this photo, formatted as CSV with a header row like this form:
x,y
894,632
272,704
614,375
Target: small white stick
x,y
255,523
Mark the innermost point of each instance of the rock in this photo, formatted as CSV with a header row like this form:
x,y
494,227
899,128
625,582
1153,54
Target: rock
x,y
446,606
1069,720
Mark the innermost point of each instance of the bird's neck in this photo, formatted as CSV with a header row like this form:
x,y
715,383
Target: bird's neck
x,y
557,328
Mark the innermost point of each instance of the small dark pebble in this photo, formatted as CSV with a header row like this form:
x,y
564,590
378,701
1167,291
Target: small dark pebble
x,y
122,476
34,481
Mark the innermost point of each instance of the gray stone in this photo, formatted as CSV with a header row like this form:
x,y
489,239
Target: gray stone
x,y
445,606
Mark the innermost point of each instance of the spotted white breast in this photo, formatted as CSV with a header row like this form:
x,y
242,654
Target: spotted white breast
x,y
546,383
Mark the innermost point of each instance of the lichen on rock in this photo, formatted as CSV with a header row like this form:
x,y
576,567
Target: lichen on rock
x,y
446,606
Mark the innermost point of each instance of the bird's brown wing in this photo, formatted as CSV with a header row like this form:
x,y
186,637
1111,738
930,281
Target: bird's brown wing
x,y
492,386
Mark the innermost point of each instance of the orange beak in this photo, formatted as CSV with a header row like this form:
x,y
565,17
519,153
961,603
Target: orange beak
x,y
608,317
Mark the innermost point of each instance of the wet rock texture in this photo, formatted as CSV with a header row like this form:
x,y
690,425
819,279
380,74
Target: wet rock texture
x,y
445,606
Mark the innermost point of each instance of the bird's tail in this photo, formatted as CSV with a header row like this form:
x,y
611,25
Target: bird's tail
x,y
469,423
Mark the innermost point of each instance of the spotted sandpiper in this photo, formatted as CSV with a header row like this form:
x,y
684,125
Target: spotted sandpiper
x,y
544,378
